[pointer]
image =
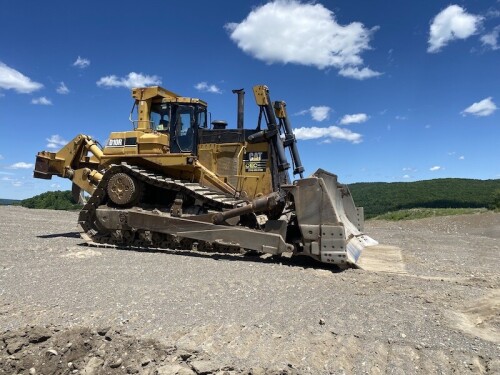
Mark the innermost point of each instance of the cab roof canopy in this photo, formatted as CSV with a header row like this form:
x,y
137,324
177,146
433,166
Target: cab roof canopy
x,y
158,94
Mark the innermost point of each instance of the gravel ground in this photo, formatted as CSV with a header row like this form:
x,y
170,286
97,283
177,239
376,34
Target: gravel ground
x,y
68,308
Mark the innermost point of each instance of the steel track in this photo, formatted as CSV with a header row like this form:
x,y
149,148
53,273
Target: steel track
x,y
95,235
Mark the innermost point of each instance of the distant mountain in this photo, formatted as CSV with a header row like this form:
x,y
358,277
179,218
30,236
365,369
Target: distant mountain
x,y
381,197
8,202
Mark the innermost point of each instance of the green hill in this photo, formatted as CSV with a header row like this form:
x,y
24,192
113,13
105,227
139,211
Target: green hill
x,y
381,197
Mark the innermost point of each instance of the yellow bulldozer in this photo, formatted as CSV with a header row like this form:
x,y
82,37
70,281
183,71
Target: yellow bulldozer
x,y
174,181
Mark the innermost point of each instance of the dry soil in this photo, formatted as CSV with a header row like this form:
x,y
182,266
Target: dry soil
x,y
66,308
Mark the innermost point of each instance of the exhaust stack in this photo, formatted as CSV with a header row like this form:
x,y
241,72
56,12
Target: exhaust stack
x,y
241,106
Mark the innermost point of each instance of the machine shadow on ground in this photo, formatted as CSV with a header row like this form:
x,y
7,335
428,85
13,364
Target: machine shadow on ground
x,y
60,235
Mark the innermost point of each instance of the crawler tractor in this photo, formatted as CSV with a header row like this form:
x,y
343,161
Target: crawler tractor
x,y
176,182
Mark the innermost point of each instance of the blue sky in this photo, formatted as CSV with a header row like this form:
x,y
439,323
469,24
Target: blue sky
x,y
376,91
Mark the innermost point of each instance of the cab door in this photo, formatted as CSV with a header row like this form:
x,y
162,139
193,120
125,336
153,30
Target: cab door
x,y
183,132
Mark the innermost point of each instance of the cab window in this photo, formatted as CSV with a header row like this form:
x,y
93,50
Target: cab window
x,y
160,117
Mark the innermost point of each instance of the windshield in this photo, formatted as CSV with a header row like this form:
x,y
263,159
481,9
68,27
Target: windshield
x,y
180,122
162,115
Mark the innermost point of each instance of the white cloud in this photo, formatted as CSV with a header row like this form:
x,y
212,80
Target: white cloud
x,y
56,141
360,74
13,181
400,118
41,101
435,168
409,169
450,24
132,80
406,176
483,108
205,87
493,13
11,79
21,165
81,62
300,113
356,118
329,133
289,31
491,39
1,157
320,113
62,89
461,157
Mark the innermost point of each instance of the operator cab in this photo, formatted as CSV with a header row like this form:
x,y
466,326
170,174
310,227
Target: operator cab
x,y
181,121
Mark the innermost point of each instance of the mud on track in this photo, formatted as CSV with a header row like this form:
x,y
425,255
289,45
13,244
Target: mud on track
x,y
166,313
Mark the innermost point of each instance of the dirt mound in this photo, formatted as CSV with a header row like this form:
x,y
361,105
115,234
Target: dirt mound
x,y
41,350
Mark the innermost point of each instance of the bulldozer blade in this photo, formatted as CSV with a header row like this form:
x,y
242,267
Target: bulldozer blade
x,y
331,225
363,251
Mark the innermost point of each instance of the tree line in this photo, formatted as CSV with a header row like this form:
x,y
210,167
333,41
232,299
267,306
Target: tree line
x,y
380,197
55,200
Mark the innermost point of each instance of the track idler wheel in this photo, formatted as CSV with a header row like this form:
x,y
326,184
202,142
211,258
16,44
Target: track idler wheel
x,y
123,190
